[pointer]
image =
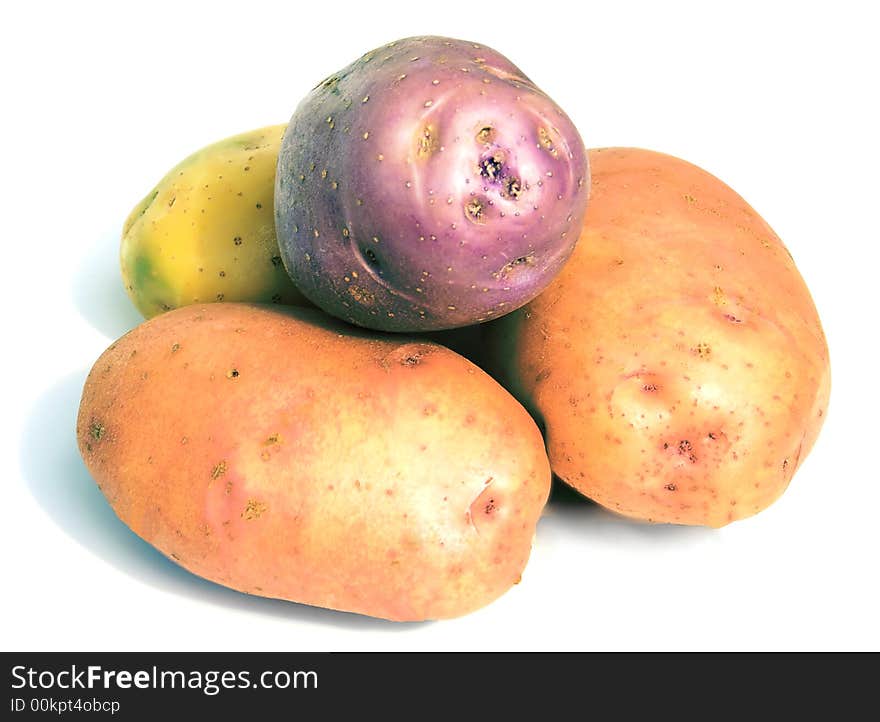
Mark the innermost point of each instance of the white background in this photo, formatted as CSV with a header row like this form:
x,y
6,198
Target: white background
x,y
777,99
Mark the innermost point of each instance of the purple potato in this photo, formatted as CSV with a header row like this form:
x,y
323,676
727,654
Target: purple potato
x,y
429,185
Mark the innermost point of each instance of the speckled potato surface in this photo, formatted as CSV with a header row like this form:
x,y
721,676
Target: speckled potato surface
x,y
206,231
428,185
284,454
677,363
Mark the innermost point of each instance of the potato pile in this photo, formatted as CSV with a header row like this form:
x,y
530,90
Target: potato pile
x,y
674,370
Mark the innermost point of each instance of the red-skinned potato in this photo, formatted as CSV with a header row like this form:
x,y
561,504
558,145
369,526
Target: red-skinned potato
x,y
284,454
677,363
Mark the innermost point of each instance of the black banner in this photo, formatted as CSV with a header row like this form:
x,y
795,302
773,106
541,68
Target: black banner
x,y
423,685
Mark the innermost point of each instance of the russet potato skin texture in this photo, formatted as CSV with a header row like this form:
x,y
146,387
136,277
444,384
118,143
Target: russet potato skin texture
x,y
678,362
284,454
206,231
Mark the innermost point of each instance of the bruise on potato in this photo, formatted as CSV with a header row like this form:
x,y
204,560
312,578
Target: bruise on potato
x,y
335,467
677,363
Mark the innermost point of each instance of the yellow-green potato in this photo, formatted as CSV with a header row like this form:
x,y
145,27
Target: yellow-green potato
x,y
206,232
677,362
284,454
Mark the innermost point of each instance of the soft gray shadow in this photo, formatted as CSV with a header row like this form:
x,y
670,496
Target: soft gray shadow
x,y
59,481
97,291
568,509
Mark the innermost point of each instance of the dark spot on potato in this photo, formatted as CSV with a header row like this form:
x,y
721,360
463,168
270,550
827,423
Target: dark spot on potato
x,y
486,134
253,510
97,430
408,355
670,487
542,375
371,257
492,165
474,210
237,240
515,265
546,142
218,470
428,142
733,319
276,261
650,388
232,374
685,448
513,187
490,507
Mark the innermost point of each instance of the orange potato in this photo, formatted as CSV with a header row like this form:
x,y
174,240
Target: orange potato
x,y
677,363
284,454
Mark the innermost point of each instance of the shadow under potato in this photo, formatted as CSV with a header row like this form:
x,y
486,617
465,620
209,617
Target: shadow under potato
x,y
97,290
565,495
575,513
60,483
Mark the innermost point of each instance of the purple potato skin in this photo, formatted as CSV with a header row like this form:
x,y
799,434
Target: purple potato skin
x,y
428,185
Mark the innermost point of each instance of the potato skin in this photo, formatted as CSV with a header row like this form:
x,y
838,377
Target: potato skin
x,y
677,363
206,232
428,185
284,454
